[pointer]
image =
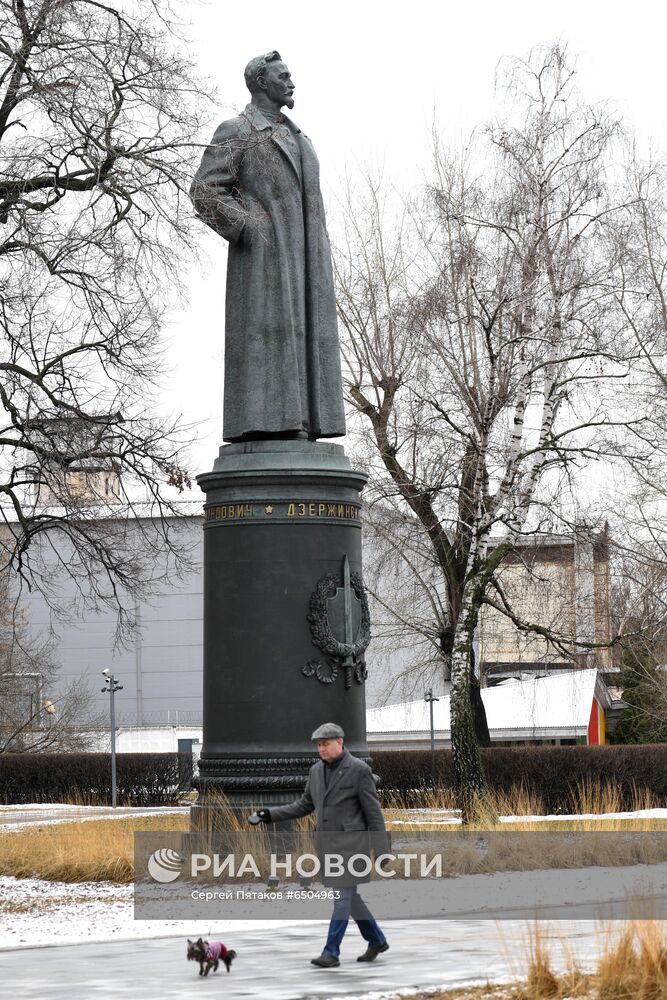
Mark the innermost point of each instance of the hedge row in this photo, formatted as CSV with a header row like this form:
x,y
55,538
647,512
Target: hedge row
x,y
550,772
142,779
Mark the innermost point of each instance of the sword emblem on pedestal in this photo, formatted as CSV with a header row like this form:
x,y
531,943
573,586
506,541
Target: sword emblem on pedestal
x,y
340,624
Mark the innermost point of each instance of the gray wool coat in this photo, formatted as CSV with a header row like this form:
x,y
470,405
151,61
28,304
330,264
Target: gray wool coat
x,y
349,805
282,355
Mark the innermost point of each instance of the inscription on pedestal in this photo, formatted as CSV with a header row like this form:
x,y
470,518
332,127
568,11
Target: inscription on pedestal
x,y
284,511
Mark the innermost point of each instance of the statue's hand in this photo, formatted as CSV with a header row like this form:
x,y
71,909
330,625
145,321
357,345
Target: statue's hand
x,y
245,236
256,226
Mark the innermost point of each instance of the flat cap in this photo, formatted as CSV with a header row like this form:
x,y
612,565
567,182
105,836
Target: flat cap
x,y
328,731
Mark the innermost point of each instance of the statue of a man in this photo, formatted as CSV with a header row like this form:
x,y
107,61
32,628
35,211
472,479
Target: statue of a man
x,y
258,187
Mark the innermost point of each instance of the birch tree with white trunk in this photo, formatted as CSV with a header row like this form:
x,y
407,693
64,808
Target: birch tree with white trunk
x,y
481,354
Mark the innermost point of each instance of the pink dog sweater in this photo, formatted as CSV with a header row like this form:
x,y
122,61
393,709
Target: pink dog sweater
x,y
215,951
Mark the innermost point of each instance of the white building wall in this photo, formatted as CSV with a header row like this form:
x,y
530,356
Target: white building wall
x,y
157,739
161,667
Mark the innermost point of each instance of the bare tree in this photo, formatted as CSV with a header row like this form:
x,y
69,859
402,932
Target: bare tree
x,y
32,718
98,119
638,242
640,615
638,239
483,353
30,722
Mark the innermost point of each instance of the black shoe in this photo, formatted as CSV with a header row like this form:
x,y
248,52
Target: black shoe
x,y
372,952
325,961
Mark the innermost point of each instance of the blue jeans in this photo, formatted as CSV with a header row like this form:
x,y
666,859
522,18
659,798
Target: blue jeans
x,y
350,904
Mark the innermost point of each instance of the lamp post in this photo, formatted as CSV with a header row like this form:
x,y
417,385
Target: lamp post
x,y
112,686
428,697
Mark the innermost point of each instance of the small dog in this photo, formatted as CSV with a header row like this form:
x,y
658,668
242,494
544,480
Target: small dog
x,y
209,954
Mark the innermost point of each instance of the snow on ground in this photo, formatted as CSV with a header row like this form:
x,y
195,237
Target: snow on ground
x,y
36,814
424,993
35,912
51,806
17,816
444,817
639,814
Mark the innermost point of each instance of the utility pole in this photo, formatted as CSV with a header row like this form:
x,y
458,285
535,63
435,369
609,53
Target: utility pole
x,y
428,697
112,686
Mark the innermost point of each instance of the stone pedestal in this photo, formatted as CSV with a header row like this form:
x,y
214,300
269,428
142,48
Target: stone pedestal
x,y
279,517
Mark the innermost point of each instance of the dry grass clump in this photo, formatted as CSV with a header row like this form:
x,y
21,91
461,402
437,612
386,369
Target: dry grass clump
x,y
542,981
215,814
598,798
589,797
438,797
218,816
518,801
96,850
100,850
632,966
224,829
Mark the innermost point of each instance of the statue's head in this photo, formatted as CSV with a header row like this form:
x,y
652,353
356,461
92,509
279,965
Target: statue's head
x,y
268,75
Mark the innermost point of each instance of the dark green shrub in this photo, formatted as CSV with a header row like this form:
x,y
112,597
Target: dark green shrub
x,y
550,772
143,779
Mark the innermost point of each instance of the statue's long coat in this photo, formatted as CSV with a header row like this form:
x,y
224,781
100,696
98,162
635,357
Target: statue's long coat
x,y
282,356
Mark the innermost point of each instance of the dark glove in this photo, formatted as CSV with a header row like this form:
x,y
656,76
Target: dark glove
x,y
261,816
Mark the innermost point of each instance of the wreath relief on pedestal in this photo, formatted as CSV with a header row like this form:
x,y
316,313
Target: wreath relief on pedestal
x,y
341,627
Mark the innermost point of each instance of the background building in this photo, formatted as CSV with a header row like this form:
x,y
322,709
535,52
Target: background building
x,y
560,582
159,664
563,709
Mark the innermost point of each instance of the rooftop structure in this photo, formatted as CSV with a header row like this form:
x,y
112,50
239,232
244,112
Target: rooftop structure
x,y
564,708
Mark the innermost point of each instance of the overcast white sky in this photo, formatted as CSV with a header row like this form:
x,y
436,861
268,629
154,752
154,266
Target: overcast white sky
x,y
369,78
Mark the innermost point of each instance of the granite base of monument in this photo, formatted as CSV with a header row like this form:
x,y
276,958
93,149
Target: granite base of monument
x,y
285,619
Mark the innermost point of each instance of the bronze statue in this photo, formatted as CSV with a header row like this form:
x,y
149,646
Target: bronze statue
x,y
258,187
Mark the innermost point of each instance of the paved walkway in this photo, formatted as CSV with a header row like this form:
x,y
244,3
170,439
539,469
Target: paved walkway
x,y
273,963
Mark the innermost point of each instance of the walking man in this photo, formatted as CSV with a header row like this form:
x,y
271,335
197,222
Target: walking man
x,y
342,793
